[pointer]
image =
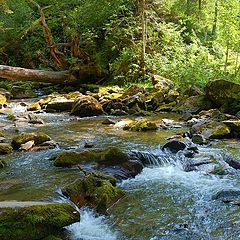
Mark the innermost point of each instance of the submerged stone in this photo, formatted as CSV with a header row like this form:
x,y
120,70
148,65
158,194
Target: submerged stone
x,y
34,220
96,190
140,126
37,137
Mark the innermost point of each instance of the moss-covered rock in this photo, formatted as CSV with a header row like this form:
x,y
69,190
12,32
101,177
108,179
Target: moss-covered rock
x,y
34,107
3,100
86,106
29,221
192,104
68,159
37,137
95,190
5,148
223,92
140,126
211,130
109,156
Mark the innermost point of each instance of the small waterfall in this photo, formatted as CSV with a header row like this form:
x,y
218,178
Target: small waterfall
x,y
91,227
158,158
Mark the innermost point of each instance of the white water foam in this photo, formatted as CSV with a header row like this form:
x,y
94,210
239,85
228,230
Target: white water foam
x,y
196,182
91,227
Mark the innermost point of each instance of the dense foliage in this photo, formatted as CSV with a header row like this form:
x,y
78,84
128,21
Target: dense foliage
x,y
188,41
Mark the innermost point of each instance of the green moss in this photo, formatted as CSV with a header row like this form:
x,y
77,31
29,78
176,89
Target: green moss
x,y
68,159
35,222
5,148
109,156
96,190
37,137
141,126
113,156
219,170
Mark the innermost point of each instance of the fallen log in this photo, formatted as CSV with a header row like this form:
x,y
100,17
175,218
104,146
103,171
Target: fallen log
x,y
75,75
23,74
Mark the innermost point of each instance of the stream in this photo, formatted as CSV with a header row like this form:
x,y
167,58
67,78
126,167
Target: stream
x,y
163,202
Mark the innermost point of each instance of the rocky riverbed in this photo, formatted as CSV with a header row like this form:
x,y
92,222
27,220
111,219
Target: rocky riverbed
x,y
145,173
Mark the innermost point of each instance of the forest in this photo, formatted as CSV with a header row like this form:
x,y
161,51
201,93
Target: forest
x,y
186,41
119,120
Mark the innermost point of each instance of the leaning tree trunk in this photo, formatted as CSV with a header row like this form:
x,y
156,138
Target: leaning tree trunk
x,y
23,74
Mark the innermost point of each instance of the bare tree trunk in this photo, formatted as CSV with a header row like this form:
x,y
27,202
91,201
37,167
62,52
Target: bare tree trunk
x,y
214,28
23,74
226,57
199,10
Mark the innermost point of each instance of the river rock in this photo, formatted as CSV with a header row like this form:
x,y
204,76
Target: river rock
x,y
96,190
86,106
37,137
192,90
3,101
60,104
109,157
110,160
222,92
34,220
192,105
228,196
174,146
162,84
5,148
235,163
198,139
34,107
108,121
211,130
234,125
140,126
19,92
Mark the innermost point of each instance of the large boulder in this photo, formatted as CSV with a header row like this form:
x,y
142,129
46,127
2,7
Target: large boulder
x,y
162,84
211,129
86,106
111,159
95,190
34,220
193,104
37,137
223,92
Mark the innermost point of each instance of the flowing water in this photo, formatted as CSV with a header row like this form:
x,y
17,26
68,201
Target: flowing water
x,y
162,202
